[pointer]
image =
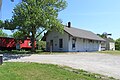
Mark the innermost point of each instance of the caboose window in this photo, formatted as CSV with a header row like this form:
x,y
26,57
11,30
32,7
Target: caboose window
x,y
29,44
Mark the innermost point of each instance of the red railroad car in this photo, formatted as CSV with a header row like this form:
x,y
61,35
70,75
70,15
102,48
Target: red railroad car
x,y
12,44
7,43
26,44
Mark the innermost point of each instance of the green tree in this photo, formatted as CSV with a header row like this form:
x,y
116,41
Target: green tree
x,y
41,45
1,24
34,15
104,35
117,44
2,34
18,35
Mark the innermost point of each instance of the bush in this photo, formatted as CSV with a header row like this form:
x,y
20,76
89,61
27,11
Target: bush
x,y
41,45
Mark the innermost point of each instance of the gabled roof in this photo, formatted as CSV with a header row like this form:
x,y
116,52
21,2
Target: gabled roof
x,y
82,33
79,33
109,39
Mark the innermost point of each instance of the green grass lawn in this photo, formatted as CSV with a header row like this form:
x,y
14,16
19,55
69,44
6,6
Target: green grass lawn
x,y
36,71
111,52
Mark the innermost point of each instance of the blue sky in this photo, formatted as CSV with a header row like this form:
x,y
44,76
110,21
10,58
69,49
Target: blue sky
x,y
97,16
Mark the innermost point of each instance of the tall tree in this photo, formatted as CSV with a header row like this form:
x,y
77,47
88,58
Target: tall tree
x,y
34,15
117,44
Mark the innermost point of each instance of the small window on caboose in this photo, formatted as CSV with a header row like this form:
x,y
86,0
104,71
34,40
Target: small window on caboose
x,y
29,44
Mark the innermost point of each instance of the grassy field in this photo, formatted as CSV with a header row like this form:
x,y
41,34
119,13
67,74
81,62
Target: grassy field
x,y
35,71
111,52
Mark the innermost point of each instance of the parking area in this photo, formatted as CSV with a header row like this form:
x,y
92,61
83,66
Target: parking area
x,y
105,64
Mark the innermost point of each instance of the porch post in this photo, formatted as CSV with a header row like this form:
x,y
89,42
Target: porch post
x,y
1,59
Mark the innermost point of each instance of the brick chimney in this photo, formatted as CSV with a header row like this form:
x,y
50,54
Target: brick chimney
x,y
69,24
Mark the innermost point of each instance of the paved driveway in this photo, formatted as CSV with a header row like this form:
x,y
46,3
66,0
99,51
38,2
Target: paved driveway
x,y
93,62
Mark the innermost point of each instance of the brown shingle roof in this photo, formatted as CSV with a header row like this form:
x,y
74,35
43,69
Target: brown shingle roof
x,y
109,39
75,32
82,33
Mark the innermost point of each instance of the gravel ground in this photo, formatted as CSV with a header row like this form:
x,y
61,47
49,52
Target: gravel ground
x,y
105,64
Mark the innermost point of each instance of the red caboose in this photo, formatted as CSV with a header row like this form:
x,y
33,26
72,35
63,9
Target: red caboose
x,y
26,44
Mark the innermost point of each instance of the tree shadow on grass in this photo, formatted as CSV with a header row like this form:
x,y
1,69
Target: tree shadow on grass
x,y
8,55
14,56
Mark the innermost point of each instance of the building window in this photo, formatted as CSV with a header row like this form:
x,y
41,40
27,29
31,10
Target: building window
x,y
60,43
83,40
96,41
90,41
48,46
51,45
73,43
